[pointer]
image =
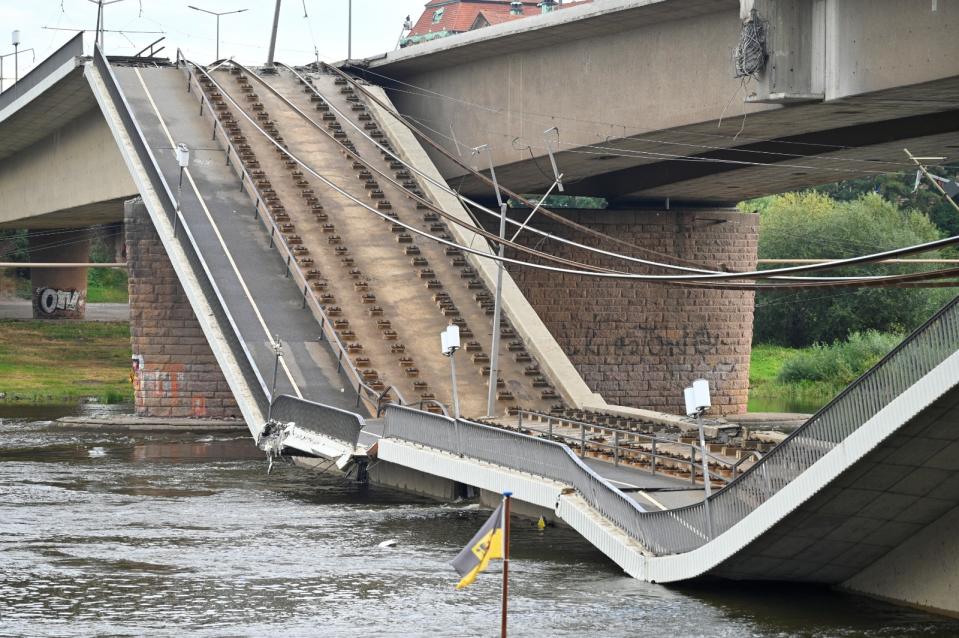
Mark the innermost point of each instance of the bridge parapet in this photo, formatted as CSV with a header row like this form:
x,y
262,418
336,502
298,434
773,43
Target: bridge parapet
x,y
528,454
321,419
918,355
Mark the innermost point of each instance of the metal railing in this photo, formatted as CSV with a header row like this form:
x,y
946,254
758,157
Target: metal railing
x,y
185,238
331,422
262,213
917,355
620,448
685,529
72,49
518,452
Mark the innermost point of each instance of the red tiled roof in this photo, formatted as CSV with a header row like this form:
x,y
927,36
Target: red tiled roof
x,y
460,15
490,18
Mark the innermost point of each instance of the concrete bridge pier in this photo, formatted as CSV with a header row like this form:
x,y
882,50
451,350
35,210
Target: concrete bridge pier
x,y
59,293
639,344
175,374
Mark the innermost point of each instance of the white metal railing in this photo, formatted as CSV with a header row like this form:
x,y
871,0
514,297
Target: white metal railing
x,y
685,529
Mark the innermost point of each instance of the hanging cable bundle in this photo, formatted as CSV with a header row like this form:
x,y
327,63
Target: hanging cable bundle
x,y
751,55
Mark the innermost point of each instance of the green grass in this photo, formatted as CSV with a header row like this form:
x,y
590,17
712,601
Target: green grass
x,y
61,361
106,285
768,394
785,379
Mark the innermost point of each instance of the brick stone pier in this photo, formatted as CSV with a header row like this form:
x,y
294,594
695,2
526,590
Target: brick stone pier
x,y
640,344
176,374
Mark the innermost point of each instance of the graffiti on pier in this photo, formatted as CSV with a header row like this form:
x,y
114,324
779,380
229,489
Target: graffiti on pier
x,y
54,302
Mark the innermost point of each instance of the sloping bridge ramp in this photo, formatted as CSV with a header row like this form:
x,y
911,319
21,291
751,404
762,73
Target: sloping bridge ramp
x,y
279,233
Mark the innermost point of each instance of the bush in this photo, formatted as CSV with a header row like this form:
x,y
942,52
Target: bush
x,y
811,225
841,362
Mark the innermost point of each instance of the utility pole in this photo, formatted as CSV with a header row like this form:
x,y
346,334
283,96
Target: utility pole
x,y
100,19
349,30
217,14
498,304
276,25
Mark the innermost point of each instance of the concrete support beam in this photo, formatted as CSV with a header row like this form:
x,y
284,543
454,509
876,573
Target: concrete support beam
x,y
59,293
921,572
76,169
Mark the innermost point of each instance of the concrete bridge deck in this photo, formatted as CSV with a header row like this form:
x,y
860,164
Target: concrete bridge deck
x,y
827,487
263,301
848,85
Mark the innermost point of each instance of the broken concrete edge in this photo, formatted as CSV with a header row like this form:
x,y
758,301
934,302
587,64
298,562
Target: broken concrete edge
x,y
134,423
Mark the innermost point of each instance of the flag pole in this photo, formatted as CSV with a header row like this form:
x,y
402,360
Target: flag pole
x,y
507,497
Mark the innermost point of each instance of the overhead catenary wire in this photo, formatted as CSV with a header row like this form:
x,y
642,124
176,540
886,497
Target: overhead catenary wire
x,y
400,118
443,186
609,275
442,150
408,165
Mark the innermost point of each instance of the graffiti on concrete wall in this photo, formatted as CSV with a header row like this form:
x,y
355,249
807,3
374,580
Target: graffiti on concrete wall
x,y
52,301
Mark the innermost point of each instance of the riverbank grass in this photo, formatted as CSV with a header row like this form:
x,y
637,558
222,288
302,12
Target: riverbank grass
x,y
768,394
57,362
783,379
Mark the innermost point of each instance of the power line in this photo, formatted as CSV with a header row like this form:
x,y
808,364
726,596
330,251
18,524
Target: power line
x,y
697,279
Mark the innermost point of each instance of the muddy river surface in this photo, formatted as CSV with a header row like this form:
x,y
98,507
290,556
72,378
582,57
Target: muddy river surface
x,y
176,534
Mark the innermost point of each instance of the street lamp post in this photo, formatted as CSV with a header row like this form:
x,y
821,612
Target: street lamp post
x,y
217,14
697,402
450,343
182,153
15,39
16,45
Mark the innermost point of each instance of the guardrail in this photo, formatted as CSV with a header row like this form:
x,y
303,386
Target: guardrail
x,y
530,454
72,49
185,239
685,529
619,449
323,419
364,392
917,355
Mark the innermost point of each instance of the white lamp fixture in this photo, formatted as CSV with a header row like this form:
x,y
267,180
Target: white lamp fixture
x,y
689,395
450,340
701,394
183,155
15,38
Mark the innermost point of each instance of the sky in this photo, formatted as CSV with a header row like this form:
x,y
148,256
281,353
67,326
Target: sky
x,y
376,28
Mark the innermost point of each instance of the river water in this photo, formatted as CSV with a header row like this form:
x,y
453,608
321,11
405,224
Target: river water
x,y
173,534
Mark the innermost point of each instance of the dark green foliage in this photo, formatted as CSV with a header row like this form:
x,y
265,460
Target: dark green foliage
x,y
812,225
13,245
898,189
839,363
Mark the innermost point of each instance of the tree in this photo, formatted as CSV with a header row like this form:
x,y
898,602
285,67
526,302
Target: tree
x,y
812,225
900,188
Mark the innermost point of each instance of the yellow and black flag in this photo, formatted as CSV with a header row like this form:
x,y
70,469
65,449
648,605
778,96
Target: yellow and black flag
x,y
487,544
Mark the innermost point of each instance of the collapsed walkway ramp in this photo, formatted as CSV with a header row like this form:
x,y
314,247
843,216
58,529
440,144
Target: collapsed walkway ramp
x,y
248,298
